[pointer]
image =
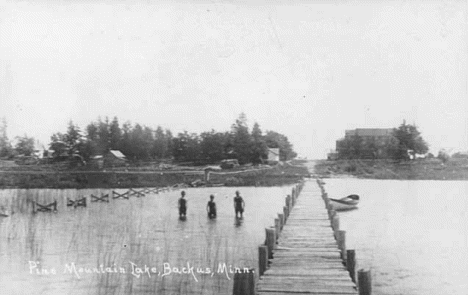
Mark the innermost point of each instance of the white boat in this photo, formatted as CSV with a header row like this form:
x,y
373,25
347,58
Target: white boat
x,y
346,203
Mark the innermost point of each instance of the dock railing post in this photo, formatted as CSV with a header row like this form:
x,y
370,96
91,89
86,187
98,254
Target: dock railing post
x,y
351,264
262,259
244,283
277,228
270,241
286,213
341,240
364,282
335,221
331,214
281,219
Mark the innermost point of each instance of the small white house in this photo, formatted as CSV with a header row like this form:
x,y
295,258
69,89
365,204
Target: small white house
x,y
273,155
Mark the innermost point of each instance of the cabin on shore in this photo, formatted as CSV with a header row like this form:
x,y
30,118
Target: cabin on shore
x,y
113,158
273,155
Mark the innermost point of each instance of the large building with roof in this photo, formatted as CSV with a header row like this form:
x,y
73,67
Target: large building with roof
x,y
373,142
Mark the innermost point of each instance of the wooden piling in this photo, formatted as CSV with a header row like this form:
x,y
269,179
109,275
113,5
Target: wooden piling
x,y
244,283
288,202
270,241
331,214
335,222
281,220
341,241
286,213
262,259
351,264
277,227
364,282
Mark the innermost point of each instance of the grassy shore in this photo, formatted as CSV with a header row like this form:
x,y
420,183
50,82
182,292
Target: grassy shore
x,y
420,169
47,177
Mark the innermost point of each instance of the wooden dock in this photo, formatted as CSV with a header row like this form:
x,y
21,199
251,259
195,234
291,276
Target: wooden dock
x,y
307,258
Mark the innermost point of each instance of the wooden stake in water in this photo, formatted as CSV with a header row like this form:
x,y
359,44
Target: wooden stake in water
x,y
277,228
270,241
281,219
244,283
351,264
262,259
335,221
364,282
341,240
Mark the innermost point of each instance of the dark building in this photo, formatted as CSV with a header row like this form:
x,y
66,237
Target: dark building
x,y
365,143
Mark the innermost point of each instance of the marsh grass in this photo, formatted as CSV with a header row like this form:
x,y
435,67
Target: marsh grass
x,y
143,231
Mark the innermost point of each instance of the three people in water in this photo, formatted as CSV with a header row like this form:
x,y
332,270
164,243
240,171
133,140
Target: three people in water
x,y
239,206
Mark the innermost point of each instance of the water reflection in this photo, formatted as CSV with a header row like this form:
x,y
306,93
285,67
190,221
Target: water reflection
x,y
238,221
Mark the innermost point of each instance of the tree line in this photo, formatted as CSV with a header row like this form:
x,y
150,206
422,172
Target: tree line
x,y
143,143
24,144
404,143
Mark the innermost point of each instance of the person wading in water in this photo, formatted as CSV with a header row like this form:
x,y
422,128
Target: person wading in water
x,y
239,204
211,207
182,205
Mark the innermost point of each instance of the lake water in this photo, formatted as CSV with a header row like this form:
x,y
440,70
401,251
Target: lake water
x,y
129,234
413,235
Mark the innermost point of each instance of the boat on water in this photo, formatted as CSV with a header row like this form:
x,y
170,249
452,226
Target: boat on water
x,y
346,203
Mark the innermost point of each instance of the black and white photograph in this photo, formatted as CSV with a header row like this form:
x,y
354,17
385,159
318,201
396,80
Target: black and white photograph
x,y
233,147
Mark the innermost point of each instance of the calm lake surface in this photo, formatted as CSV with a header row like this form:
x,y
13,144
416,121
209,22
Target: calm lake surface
x,y
126,234
413,235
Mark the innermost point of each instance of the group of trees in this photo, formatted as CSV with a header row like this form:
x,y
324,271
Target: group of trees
x,y
405,142
24,144
143,143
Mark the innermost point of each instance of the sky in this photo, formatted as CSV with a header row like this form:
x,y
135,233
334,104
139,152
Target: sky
x,y
309,70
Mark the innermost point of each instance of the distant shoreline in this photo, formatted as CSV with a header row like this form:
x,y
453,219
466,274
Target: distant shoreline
x,y
421,169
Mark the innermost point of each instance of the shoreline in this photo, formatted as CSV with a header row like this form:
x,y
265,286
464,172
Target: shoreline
x,y
421,169
277,176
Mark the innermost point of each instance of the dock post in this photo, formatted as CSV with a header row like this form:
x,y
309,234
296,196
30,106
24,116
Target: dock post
x,y
364,282
331,214
351,264
281,219
270,241
277,227
262,259
244,283
288,202
341,241
286,213
335,221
